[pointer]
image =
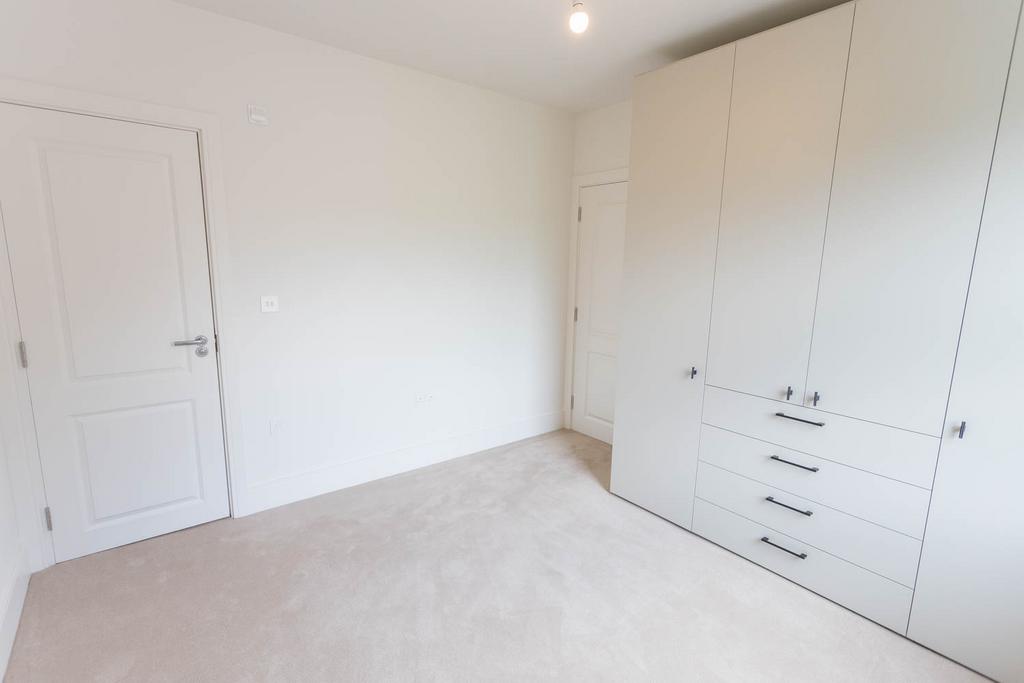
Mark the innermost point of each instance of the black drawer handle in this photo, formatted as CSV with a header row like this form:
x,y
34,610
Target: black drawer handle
x,y
802,556
800,419
794,464
808,513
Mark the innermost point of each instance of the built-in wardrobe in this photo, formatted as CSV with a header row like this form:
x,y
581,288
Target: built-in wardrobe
x,y
822,354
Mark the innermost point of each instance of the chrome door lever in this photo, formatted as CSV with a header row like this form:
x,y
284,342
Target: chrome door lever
x,y
201,343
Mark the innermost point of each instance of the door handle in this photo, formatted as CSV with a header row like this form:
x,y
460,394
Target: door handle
x,y
693,372
201,343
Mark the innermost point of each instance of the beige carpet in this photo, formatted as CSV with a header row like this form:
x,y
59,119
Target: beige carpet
x,y
514,564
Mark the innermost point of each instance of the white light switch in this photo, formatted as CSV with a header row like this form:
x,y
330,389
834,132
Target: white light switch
x,y
258,115
268,304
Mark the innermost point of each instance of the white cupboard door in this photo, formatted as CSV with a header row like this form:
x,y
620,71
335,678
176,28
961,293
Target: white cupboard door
x,y
107,239
923,92
969,602
680,117
602,233
786,101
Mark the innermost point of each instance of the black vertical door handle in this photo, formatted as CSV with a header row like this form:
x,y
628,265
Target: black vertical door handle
x,y
963,428
693,372
789,393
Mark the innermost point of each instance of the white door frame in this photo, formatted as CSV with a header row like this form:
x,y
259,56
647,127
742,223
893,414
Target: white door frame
x,y
579,182
29,476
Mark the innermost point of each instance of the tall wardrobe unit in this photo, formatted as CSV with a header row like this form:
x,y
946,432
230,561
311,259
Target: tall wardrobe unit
x,y
805,290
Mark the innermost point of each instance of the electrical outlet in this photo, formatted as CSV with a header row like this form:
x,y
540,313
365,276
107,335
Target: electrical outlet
x,y
269,304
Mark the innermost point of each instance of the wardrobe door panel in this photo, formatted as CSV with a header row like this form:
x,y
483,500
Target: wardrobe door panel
x,y
786,102
680,117
923,93
969,603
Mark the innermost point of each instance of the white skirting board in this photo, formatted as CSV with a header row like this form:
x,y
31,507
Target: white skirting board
x,y
11,604
270,494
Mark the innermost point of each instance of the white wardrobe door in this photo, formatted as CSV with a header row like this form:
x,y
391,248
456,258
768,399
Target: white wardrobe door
x,y
786,102
923,93
680,116
970,596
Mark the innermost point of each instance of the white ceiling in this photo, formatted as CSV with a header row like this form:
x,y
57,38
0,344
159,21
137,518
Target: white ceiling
x,y
523,47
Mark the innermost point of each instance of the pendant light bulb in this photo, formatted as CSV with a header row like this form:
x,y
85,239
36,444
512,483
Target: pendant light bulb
x,y
578,20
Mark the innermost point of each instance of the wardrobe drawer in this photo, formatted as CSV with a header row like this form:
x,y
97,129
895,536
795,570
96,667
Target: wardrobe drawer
x,y
894,453
876,597
866,545
887,502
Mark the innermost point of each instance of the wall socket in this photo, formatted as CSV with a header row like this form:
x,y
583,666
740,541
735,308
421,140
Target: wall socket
x,y
269,304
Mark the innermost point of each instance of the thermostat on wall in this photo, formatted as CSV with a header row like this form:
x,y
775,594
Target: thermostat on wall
x,y
258,116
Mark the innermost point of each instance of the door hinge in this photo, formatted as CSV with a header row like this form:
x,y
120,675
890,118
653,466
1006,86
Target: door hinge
x,y
23,354
572,402
49,518
216,343
579,213
576,314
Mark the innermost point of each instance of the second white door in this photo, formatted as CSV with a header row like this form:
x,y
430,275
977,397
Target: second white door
x,y
602,234
107,240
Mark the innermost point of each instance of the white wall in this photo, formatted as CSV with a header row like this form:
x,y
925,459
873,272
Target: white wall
x,y
602,139
413,228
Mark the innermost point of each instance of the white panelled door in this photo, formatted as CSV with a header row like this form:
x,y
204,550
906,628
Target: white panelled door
x,y
107,237
602,234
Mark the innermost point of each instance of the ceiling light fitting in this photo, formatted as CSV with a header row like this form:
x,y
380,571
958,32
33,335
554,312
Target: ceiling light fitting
x,y
578,20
